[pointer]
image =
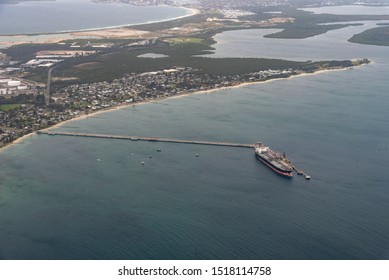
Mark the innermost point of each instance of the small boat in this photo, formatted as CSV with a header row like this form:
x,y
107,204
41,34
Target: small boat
x,y
158,150
150,156
98,159
197,155
307,177
143,163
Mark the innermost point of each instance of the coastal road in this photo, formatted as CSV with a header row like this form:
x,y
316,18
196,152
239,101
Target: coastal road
x,y
48,86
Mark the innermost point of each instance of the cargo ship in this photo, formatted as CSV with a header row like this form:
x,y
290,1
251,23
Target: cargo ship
x,y
275,161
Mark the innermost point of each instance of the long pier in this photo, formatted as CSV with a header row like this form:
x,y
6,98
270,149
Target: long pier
x,y
155,139
149,139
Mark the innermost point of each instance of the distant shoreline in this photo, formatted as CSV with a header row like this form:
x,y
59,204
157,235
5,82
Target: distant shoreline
x,y
58,36
121,106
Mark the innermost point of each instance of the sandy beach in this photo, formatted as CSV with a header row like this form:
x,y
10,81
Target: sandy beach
x,y
113,33
122,106
110,32
16,142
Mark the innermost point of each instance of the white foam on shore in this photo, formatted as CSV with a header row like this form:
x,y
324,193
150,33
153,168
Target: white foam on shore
x,y
14,39
191,12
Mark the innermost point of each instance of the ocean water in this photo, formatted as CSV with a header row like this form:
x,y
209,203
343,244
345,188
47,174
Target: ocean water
x,y
328,46
76,198
350,10
34,17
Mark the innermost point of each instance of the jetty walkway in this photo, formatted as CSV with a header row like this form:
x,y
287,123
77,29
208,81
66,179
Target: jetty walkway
x,y
155,139
149,139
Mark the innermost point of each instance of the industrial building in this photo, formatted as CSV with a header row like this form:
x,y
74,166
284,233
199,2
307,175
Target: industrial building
x,y
11,87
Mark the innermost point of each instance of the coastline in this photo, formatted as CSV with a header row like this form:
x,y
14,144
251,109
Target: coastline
x,y
121,106
7,41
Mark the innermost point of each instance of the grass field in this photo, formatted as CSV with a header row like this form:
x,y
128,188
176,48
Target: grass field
x,y
184,40
7,107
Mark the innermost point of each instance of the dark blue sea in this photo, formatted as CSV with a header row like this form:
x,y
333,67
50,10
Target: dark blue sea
x,y
83,198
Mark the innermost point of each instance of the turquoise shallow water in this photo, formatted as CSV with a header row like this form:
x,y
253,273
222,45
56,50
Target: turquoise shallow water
x,y
57,201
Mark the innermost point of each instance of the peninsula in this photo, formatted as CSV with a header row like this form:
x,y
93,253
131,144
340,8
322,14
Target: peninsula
x,y
42,85
80,100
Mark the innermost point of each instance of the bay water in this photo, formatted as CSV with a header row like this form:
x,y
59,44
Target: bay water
x,y
37,17
83,198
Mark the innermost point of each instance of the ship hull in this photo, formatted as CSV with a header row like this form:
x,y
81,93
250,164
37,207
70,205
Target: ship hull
x,y
287,174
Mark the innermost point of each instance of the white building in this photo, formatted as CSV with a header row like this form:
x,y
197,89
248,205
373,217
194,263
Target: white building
x,y
4,80
13,83
3,91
